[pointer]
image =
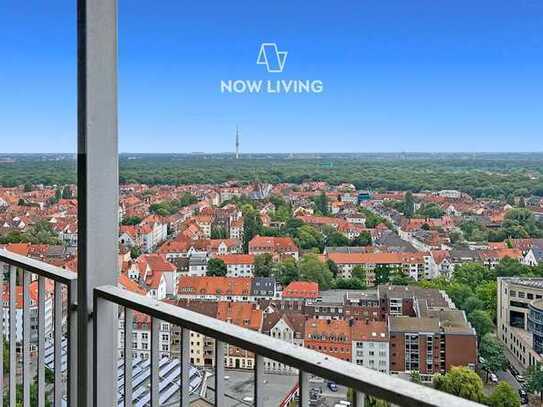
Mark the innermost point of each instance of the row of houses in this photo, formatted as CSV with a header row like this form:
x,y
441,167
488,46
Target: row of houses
x,y
406,329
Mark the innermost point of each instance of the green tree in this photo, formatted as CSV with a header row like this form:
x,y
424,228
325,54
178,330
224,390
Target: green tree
x,y
131,220
307,237
312,269
399,278
486,292
135,252
252,225
415,377
321,204
281,214
382,274
186,199
493,354
508,267
471,304
58,196
455,236
471,274
19,396
336,239
218,232
409,205
286,271
363,239
481,322
459,293
504,396
263,265
216,267
520,223
431,210
292,226
349,284
462,382
368,400
27,187
40,233
332,266
359,273
534,379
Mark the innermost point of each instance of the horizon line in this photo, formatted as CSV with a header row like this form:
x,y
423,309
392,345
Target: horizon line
x,y
197,153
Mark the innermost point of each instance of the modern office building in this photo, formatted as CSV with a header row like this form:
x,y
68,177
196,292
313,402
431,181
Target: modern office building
x,y
514,312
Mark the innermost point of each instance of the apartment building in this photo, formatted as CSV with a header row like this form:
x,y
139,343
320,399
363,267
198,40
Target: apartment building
x,y
141,337
239,265
332,337
431,343
278,247
418,265
33,310
370,344
214,288
287,326
202,349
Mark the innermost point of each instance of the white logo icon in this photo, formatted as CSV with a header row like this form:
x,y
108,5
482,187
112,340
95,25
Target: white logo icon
x,y
270,56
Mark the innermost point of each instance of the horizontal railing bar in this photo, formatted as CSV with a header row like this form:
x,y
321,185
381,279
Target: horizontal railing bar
x,y
37,267
348,374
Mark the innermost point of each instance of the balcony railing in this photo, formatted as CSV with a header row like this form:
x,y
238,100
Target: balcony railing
x,y
54,324
107,300
307,362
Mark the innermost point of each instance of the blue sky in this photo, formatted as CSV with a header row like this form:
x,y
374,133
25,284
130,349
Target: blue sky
x,y
418,75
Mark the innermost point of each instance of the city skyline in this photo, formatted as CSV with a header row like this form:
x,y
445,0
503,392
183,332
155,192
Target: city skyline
x,y
419,77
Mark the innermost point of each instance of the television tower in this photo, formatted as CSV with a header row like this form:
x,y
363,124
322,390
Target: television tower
x,y
237,143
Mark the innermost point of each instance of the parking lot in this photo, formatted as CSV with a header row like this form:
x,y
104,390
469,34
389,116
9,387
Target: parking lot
x,y
239,388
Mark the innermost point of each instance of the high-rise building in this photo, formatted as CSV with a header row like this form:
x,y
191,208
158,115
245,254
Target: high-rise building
x,y
237,143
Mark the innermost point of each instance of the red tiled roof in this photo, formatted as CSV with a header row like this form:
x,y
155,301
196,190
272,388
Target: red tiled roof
x,y
301,289
214,285
230,259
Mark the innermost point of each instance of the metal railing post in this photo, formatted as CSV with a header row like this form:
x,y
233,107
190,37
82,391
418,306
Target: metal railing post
x,y
105,370
97,182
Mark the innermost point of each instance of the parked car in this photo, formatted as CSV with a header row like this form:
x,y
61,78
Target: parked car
x,y
332,386
523,394
493,378
513,370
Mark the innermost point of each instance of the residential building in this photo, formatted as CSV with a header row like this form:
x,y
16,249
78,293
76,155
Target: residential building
x,y
278,247
432,343
370,344
239,265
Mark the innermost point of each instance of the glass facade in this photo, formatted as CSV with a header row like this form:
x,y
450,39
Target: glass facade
x,y
535,325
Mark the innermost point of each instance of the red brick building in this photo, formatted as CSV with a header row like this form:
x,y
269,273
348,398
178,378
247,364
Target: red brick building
x,y
329,336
